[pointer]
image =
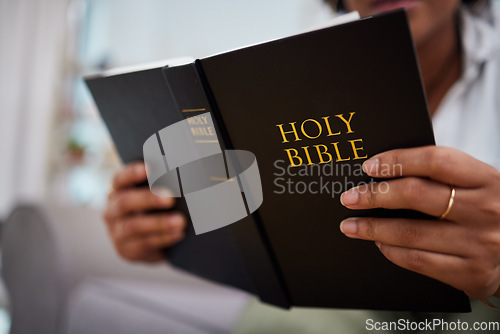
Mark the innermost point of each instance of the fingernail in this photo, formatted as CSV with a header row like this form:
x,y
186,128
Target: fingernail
x,y
162,192
349,226
175,221
378,244
139,170
370,166
165,198
349,197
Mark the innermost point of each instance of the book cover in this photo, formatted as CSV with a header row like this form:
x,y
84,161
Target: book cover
x,y
311,108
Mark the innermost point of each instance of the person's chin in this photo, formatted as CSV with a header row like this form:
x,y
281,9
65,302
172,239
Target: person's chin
x,y
381,6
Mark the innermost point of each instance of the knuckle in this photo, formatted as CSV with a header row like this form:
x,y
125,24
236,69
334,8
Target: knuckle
x,y
490,207
123,201
152,242
408,234
439,159
132,225
183,221
394,163
371,196
176,222
490,242
483,283
167,225
433,156
416,259
119,201
161,222
367,195
495,175
413,190
368,228
475,199
115,183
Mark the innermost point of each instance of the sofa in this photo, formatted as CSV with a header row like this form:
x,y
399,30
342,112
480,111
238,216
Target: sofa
x,y
63,276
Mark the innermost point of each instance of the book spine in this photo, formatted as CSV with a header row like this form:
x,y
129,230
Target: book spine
x,y
192,95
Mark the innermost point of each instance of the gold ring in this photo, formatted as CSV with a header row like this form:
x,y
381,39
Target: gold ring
x,y
450,203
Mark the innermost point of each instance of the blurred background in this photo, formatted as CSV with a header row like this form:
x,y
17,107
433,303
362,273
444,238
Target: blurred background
x,y
57,159
53,144
54,148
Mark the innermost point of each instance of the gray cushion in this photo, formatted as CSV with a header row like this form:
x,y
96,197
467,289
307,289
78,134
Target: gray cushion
x,y
48,251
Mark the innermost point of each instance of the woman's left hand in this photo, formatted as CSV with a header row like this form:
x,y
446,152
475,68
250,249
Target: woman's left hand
x,y
463,249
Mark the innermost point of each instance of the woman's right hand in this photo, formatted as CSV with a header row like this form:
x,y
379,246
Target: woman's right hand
x,y
136,234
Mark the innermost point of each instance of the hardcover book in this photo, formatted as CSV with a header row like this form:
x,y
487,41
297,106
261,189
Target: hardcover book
x,y
311,108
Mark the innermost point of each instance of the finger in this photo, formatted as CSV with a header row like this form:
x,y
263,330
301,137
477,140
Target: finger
x,y
442,164
139,248
411,233
154,257
144,225
136,200
411,193
130,175
453,270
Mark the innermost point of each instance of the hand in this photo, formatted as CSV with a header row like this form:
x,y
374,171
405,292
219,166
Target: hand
x,y
136,234
463,249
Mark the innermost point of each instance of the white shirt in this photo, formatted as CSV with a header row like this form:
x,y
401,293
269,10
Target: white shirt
x,y
469,116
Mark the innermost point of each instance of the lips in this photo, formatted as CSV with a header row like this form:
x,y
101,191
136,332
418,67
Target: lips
x,y
387,5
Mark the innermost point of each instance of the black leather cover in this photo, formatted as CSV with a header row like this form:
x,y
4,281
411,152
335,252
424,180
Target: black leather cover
x,y
292,246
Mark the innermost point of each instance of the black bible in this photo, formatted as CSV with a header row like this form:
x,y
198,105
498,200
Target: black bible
x,y
311,108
